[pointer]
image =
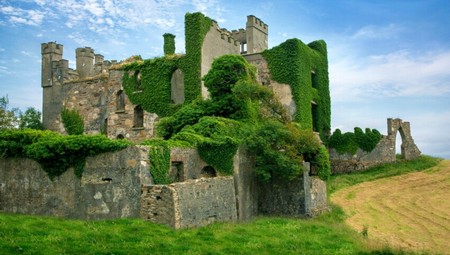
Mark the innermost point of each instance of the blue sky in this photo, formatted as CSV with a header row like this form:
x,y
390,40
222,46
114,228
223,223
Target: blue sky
x,y
386,58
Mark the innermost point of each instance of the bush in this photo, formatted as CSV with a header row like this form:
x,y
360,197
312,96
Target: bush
x,y
350,142
72,121
56,153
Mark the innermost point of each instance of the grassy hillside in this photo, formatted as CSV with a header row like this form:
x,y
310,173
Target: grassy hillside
x,y
326,234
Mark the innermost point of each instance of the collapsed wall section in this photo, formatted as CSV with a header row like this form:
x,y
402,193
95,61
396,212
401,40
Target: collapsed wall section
x,y
384,152
190,204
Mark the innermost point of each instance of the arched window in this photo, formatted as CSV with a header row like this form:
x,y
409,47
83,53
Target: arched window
x,y
120,101
208,172
177,87
138,117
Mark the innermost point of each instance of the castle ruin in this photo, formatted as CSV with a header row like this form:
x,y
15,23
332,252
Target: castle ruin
x,y
119,184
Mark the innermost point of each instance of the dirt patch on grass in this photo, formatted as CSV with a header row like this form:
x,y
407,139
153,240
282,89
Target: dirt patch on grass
x,y
410,211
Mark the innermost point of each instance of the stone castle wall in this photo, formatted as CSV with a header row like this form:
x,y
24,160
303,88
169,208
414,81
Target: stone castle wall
x,y
119,184
305,195
109,188
217,42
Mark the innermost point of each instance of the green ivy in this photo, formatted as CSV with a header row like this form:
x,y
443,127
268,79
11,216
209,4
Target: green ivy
x,y
219,153
242,112
153,91
196,27
305,69
72,121
55,152
169,44
350,142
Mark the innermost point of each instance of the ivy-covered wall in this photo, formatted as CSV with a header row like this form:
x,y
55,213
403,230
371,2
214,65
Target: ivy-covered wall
x,y
197,26
148,83
305,69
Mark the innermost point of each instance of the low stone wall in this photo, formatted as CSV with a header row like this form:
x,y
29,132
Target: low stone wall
x,y
109,187
384,152
347,163
190,204
318,197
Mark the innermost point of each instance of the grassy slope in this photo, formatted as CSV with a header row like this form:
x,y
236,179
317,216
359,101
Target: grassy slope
x,y
411,211
326,234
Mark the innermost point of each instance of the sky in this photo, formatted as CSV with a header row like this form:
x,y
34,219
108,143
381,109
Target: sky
x,y
387,58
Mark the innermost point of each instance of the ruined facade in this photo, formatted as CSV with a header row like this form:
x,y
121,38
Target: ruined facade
x,y
384,152
96,90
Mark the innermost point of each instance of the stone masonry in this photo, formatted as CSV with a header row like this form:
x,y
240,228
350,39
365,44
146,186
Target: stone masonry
x,y
384,152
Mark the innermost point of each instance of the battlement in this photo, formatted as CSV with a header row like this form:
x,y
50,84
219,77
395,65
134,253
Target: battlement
x,y
85,52
225,34
253,21
52,47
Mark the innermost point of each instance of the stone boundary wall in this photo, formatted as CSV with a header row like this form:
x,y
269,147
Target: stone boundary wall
x,y
109,188
384,152
190,204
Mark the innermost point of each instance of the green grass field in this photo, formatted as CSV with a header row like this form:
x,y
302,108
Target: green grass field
x,y
326,234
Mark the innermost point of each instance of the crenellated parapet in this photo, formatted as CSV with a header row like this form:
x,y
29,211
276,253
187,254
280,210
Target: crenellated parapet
x,y
255,22
85,62
51,54
225,35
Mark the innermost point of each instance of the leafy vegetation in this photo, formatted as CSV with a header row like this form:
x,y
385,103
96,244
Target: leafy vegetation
x,y
56,153
14,118
305,69
240,111
31,119
169,44
8,117
72,121
350,142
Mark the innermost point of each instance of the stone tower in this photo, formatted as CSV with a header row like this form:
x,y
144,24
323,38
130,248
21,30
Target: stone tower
x,y
85,62
51,89
257,35
50,52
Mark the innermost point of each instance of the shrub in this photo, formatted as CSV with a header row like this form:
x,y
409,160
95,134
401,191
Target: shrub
x,y
72,121
56,153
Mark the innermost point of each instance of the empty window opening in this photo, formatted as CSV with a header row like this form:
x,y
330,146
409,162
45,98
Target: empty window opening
x,y
138,117
105,127
120,137
208,172
177,87
137,80
120,101
315,116
313,79
244,47
176,171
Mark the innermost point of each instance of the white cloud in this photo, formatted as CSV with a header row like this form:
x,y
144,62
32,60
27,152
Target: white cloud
x,y
394,74
18,16
378,32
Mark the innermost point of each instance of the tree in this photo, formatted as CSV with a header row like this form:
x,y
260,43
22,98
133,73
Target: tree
x,y
8,117
31,119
